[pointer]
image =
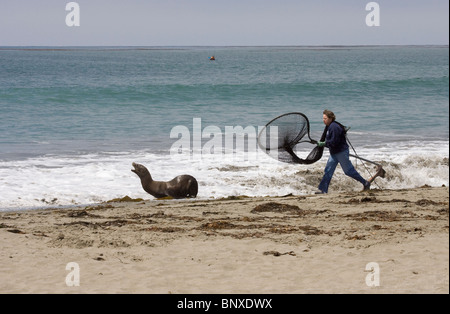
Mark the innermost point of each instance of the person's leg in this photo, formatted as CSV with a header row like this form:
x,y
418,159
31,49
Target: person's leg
x,y
349,170
328,174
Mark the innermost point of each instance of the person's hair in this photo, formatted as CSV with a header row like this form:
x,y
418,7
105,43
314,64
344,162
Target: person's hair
x,y
329,114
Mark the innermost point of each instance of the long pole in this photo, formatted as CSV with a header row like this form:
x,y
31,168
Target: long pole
x,y
372,162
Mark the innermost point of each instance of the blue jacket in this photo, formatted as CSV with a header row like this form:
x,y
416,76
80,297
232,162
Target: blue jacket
x,y
335,139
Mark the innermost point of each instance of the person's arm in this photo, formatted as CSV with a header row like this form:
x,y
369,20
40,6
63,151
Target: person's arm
x,y
333,136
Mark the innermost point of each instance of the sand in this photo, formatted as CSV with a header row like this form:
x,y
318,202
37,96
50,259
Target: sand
x,y
282,245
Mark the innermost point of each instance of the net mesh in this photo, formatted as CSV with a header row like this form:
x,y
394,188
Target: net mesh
x,y
282,136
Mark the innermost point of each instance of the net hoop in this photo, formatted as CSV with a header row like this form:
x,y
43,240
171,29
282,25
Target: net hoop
x,y
291,129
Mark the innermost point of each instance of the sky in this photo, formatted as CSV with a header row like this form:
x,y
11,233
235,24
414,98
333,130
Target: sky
x,y
223,23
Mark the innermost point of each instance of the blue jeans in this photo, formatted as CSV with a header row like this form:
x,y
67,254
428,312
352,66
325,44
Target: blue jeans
x,y
343,159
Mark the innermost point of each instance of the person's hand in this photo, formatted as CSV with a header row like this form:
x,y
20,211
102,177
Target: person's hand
x,y
321,144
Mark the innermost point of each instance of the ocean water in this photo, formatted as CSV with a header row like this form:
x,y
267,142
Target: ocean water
x,y
74,119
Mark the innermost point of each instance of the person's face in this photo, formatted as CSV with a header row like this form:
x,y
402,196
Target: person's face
x,y
327,121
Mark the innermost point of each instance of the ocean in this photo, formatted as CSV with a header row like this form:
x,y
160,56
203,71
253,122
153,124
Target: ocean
x,y
73,119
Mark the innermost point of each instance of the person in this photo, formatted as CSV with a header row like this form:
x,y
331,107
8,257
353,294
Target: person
x,y
336,142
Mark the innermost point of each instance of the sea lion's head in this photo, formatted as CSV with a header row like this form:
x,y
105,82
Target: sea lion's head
x,y
140,170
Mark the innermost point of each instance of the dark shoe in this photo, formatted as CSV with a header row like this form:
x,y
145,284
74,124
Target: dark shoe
x,y
366,186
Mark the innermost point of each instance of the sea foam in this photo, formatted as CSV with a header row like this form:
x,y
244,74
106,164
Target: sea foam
x,y
67,180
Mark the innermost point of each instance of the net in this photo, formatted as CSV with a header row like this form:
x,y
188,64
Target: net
x,y
282,137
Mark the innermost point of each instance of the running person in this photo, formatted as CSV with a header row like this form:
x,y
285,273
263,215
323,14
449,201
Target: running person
x,y
339,153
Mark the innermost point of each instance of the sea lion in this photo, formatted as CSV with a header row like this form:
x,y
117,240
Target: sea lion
x,y
184,186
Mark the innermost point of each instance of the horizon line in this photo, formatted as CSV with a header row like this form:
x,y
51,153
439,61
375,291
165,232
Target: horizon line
x,y
150,47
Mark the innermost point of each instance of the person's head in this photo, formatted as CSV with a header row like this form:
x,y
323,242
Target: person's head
x,y
328,117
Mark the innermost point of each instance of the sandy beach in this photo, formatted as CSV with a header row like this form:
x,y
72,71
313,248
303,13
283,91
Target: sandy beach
x,y
283,245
